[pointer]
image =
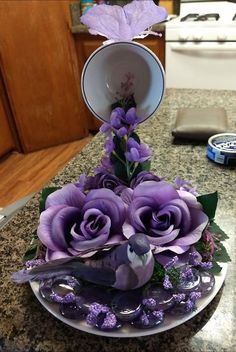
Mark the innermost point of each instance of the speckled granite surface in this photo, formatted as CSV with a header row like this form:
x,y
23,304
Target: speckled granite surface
x,y
80,28
25,326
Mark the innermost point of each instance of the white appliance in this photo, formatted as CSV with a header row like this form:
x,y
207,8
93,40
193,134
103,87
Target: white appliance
x,y
201,46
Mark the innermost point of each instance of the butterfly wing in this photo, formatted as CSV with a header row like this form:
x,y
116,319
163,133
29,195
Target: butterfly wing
x,y
143,14
109,21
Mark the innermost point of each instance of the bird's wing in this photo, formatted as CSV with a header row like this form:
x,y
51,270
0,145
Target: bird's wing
x,y
126,279
99,276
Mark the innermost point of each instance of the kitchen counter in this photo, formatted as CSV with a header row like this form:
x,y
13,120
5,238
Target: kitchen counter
x,y
25,326
80,28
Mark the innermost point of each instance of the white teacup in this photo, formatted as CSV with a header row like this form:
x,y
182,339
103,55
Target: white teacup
x,y
119,69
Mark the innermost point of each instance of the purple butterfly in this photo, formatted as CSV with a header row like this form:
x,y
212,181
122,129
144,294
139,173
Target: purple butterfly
x,y
123,23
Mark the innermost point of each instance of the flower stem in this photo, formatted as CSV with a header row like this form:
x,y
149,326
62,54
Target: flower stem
x,y
117,156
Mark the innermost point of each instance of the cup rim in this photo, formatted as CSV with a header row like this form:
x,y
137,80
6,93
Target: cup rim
x,y
122,43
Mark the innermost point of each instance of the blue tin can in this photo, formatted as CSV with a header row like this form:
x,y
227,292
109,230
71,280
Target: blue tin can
x,y
221,148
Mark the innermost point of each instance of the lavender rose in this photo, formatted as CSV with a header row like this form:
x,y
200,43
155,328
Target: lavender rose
x,y
74,223
173,220
103,180
142,177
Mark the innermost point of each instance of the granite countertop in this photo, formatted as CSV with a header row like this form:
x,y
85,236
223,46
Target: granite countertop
x,y
25,326
80,28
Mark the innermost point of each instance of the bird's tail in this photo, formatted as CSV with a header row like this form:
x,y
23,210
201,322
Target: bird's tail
x,y
99,276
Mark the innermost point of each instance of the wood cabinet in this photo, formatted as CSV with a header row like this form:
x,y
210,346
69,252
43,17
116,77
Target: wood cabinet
x,y
6,138
41,73
86,44
8,135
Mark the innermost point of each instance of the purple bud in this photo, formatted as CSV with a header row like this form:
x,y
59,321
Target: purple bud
x,y
68,298
144,319
122,132
189,306
194,258
167,283
109,145
171,263
194,296
179,297
35,262
91,319
187,274
109,321
149,303
105,128
206,265
158,314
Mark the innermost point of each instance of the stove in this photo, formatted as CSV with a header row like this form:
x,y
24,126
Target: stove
x,y
201,43
204,21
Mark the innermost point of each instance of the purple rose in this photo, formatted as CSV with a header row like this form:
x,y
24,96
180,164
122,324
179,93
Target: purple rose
x,y
74,223
173,220
142,177
103,180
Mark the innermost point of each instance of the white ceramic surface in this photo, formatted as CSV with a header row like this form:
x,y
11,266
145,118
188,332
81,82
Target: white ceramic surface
x,y
127,330
104,79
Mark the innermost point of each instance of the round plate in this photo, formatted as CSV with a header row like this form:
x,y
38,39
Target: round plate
x,y
127,330
119,70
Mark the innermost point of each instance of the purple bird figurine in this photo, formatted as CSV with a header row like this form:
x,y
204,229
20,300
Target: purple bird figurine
x,y
125,267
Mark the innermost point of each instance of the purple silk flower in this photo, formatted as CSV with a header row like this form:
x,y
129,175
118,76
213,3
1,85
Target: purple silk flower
x,y
137,153
172,220
123,23
142,177
103,180
121,123
74,223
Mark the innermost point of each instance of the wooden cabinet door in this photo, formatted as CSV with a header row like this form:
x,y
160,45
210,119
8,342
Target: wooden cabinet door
x,y
157,45
41,73
6,138
86,44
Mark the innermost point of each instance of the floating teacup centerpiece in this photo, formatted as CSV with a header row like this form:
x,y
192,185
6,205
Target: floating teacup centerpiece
x,y
122,71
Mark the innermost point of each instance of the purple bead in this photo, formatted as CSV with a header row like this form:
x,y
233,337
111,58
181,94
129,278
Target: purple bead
x,y
189,283
54,290
180,308
45,289
207,282
127,305
91,294
163,298
148,320
71,311
108,322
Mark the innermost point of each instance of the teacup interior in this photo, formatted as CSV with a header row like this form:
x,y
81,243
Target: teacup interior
x,y
118,70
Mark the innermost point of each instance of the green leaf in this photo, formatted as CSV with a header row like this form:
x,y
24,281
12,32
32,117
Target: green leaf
x,y
221,255
209,204
119,147
135,137
146,165
125,103
44,194
119,169
33,249
216,269
214,228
